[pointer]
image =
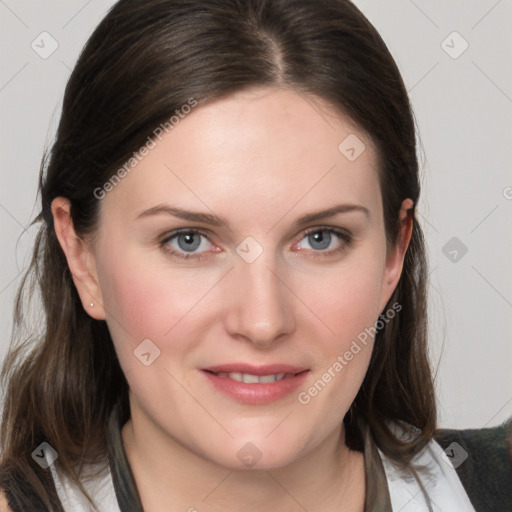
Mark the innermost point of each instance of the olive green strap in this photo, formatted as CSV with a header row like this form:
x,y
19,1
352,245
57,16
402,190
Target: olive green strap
x,y
377,490
124,484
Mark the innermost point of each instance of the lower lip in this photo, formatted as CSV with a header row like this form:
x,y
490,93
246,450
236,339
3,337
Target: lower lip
x,y
255,394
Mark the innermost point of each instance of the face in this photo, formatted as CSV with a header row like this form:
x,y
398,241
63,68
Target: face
x,y
249,253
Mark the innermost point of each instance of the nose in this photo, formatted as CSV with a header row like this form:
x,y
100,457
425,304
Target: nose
x,y
261,308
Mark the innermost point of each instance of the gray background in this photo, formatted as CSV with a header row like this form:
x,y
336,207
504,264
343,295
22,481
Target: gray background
x,y
463,107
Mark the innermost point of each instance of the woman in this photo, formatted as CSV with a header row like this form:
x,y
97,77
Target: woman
x,y
233,278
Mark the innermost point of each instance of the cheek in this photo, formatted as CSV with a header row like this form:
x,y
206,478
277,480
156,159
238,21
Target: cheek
x,y
149,301
137,300
346,300
130,300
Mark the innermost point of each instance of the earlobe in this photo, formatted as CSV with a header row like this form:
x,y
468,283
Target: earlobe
x,y
80,259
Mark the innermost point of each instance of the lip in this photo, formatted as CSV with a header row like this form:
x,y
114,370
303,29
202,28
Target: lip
x,y
258,393
267,369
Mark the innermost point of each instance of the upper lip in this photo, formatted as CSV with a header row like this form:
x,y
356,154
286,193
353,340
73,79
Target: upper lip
x,y
269,369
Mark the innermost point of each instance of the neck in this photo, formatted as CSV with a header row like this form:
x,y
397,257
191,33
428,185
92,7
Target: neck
x,y
166,473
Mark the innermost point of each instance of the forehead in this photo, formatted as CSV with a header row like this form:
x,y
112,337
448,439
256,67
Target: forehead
x,y
269,147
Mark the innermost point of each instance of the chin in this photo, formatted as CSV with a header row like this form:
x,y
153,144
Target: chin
x,y
258,452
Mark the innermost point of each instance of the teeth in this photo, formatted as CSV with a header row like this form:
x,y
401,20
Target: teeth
x,y
236,376
248,378
265,379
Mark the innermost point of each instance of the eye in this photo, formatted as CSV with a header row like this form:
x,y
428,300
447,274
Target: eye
x,y
186,243
325,241
192,243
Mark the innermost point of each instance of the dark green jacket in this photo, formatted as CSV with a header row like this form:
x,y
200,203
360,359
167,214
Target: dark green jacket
x,y
487,473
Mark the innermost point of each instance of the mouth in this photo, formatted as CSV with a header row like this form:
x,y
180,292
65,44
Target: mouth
x,y
255,385
248,378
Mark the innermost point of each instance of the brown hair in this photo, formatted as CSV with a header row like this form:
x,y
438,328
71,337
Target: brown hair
x,y
145,60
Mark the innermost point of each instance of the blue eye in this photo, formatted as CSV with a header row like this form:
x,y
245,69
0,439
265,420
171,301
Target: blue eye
x,y
325,241
188,241
320,242
185,243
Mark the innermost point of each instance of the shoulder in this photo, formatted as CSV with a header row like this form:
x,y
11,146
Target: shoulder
x,y
483,461
4,505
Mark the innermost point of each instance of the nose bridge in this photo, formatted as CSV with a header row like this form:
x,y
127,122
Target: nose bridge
x,y
261,307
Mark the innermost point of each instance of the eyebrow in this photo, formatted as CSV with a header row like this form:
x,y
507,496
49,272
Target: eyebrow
x,y
214,220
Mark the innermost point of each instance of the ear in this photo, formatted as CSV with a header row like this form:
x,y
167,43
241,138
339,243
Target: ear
x,y
80,258
395,257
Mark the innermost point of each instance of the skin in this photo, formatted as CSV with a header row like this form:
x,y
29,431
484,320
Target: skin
x,y
260,159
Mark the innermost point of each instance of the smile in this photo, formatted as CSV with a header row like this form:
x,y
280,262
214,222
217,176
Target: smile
x,y
252,385
249,378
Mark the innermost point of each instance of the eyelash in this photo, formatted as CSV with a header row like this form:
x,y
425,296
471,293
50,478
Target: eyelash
x,y
344,236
